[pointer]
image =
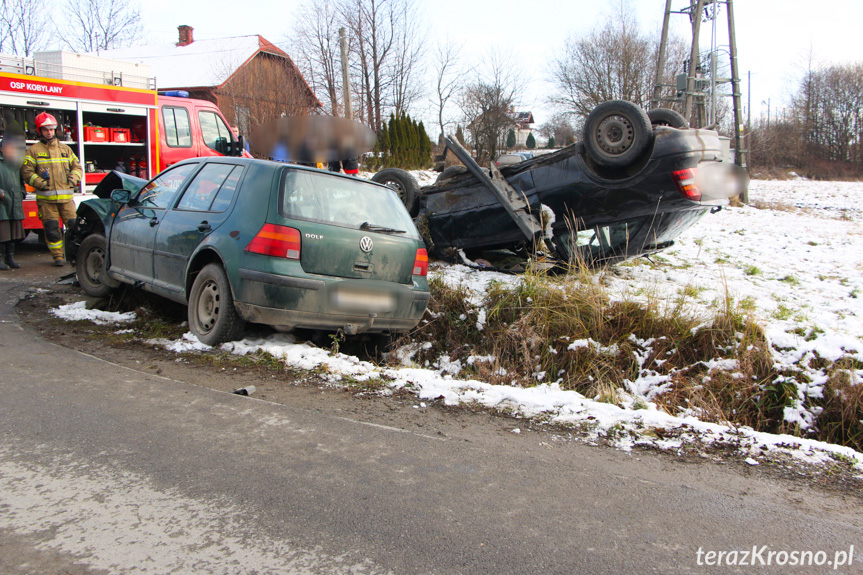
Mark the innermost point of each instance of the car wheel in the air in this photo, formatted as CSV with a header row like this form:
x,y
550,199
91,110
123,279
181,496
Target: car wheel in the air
x,y
667,117
617,134
404,184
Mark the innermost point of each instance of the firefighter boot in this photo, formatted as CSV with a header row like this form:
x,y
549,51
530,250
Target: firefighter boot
x,y
54,239
10,256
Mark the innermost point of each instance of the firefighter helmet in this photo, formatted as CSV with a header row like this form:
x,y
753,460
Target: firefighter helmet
x,y
46,120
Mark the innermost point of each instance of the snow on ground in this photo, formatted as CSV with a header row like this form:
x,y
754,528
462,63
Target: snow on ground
x,y
78,312
799,266
801,271
831,199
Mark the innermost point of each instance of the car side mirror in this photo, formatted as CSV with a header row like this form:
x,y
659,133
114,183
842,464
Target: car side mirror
x,y
222,146
241,145
122,197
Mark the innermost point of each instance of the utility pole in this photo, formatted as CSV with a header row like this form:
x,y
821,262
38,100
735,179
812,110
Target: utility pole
x,y
690,86
694,59
346,78
741,152
660,64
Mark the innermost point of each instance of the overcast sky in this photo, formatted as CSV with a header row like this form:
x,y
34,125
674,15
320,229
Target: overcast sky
x,y
774,38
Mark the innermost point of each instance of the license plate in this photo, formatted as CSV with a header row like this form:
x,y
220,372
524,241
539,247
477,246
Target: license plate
x,y
363,301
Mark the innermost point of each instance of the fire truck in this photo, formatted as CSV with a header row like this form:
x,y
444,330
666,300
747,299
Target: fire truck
x,y
111,115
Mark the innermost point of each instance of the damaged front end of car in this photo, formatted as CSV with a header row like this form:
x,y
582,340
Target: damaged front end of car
x,y
96,214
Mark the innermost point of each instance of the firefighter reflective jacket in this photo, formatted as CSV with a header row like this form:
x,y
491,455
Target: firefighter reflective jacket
x,y
59,163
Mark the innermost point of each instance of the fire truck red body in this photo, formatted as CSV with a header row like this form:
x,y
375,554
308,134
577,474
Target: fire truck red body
x,y
108,127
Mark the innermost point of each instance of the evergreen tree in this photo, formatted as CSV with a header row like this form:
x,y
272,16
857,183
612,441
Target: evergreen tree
x,y
404,143
510,139
551,142
384,144
531,141
425,147
459,135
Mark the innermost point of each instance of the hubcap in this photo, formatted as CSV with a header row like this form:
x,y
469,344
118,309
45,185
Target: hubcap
x,y
93,265
209,305
615,135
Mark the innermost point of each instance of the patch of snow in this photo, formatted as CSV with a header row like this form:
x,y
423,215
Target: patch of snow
x,y
548,220
78,312
480,320
188,343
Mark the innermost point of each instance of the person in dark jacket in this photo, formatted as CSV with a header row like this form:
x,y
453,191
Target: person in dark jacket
x,y
12,193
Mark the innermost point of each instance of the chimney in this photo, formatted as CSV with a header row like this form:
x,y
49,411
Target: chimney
x,y
186,35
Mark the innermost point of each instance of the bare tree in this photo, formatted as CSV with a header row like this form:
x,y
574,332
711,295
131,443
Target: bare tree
x,y
93,25
616,61
386,53
447,74
559,127
822,131
386,56
373,25
5,25
24,26
488,104
315,45
407,61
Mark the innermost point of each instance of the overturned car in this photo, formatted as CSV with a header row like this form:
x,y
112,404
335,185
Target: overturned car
x,y
634,183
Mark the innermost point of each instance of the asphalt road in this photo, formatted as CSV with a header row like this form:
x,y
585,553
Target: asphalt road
x,y
105,469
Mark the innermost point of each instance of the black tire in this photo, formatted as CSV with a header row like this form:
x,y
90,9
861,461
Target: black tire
x,y
40,236
90,267
212,316
667,117
450,173
404,184
617,134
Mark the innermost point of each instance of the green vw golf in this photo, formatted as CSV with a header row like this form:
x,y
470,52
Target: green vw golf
x,y
240,240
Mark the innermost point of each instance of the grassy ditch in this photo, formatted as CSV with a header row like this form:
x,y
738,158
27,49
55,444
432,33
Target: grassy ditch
x,y
568,329
716,364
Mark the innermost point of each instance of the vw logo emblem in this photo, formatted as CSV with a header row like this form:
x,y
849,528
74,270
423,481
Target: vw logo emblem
x,y
366,244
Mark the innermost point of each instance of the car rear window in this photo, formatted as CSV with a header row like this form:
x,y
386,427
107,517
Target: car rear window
x,y
340,201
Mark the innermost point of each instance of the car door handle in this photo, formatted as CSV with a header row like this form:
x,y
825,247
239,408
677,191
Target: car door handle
x,y
204,227
154,222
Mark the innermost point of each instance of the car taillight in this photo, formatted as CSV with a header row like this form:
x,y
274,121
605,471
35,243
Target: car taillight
x,y
685,180
277,241
421,263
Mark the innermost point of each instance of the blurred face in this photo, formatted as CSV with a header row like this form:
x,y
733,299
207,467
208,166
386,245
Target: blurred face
x,y
47,133
13,153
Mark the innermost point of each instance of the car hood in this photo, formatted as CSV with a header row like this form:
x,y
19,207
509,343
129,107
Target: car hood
x,y
118,181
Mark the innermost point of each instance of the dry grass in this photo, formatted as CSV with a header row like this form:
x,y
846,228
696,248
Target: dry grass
x,y
531,328
775,206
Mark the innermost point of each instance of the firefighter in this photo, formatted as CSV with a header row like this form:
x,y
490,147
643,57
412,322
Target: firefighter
x,y
11,197
53,169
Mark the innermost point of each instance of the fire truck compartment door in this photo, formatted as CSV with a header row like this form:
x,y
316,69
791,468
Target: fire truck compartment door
x,y
36,101
114,108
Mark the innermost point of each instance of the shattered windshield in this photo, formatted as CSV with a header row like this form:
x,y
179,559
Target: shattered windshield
x,y
345,202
